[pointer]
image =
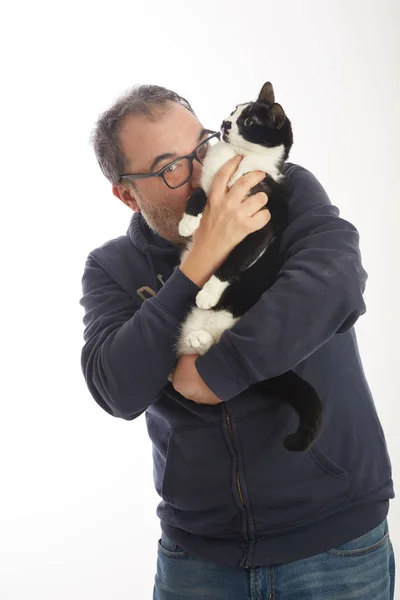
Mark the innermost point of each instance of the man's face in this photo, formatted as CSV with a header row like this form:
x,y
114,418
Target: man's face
x,y
176,132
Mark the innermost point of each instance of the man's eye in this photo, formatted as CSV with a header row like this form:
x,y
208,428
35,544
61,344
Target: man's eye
x,y
171,168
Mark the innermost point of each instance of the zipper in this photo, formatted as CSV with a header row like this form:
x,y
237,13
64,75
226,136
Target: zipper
x,y
228,420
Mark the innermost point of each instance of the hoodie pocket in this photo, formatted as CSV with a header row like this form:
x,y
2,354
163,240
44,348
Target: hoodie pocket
x,y
285,487
197,481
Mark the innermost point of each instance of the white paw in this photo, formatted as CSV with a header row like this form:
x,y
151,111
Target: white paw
x,y
211,293
205,299
189,224
200,340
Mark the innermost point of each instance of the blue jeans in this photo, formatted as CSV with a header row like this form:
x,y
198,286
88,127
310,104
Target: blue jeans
x,y
363,568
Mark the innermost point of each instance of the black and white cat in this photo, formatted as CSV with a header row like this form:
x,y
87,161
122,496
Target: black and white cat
x,y
261,132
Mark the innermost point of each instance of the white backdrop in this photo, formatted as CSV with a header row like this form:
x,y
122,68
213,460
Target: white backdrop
x,y
77,503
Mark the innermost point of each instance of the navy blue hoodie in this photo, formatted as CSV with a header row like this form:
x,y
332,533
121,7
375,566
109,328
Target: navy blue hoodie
x,y
230,491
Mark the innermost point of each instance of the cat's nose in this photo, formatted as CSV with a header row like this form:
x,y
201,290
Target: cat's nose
x,y
226,125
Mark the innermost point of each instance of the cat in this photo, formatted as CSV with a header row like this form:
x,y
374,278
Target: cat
x,y
261,132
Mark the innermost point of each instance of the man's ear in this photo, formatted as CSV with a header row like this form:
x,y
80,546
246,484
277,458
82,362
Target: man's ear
x,y
126,196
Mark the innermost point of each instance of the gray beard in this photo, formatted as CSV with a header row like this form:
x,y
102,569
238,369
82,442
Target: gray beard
x,y
164,223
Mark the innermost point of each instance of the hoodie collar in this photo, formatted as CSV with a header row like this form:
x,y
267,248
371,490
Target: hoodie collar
x,y
147,241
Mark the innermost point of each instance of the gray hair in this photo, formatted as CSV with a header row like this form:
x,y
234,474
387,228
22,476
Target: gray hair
x,y
139,100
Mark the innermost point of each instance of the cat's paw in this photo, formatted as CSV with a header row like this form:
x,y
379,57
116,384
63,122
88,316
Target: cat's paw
x,y
205,299
200,340
211,293
189,224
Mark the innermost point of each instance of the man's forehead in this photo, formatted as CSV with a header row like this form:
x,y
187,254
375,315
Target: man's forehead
x,y
174,130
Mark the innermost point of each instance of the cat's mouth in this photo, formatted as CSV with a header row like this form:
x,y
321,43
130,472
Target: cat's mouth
x,y
225,137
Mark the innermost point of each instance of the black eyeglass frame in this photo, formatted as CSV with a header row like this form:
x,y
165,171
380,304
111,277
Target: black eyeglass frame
x,y
160,173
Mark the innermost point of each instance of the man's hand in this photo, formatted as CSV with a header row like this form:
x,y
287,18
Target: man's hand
x,y
228,217
187,381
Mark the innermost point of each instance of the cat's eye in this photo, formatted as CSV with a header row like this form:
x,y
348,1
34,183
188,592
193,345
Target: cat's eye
x,y
248,122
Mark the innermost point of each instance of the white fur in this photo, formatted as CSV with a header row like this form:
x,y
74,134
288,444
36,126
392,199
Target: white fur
x,y
216,156
202,329
211,293
266,162
189,224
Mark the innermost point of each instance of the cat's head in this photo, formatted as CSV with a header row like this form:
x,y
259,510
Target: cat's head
x,y
261,123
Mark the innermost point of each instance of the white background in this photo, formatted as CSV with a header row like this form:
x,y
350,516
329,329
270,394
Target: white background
x,y
77,503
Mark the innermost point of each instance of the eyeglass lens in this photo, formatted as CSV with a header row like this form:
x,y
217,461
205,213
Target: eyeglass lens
x,y
179,172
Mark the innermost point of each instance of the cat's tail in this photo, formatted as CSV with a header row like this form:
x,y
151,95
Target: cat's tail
x,y
301,395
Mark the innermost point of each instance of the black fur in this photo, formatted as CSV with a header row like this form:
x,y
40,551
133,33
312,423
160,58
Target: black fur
x,y
265,123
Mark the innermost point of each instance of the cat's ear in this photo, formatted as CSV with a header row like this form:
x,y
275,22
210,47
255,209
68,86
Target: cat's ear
x,y
267,93
276,116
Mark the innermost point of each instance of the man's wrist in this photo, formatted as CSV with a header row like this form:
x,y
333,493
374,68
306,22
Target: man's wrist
x,y
198,267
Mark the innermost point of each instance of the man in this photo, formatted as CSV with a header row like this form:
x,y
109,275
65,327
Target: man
x,y
240,515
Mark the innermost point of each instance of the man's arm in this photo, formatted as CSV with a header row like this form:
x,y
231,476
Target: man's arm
x,y
318,293
129,351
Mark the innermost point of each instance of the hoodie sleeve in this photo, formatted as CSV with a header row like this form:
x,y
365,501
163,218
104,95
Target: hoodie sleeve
x,y
129,350
318,293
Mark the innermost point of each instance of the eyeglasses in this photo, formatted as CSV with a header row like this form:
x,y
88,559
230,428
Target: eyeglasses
x,y
179,171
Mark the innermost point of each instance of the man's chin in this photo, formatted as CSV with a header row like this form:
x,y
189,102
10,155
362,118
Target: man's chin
x,y
169,232
171,236
175,239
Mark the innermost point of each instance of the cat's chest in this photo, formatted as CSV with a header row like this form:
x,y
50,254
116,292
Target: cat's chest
x,y
259,162
215,159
